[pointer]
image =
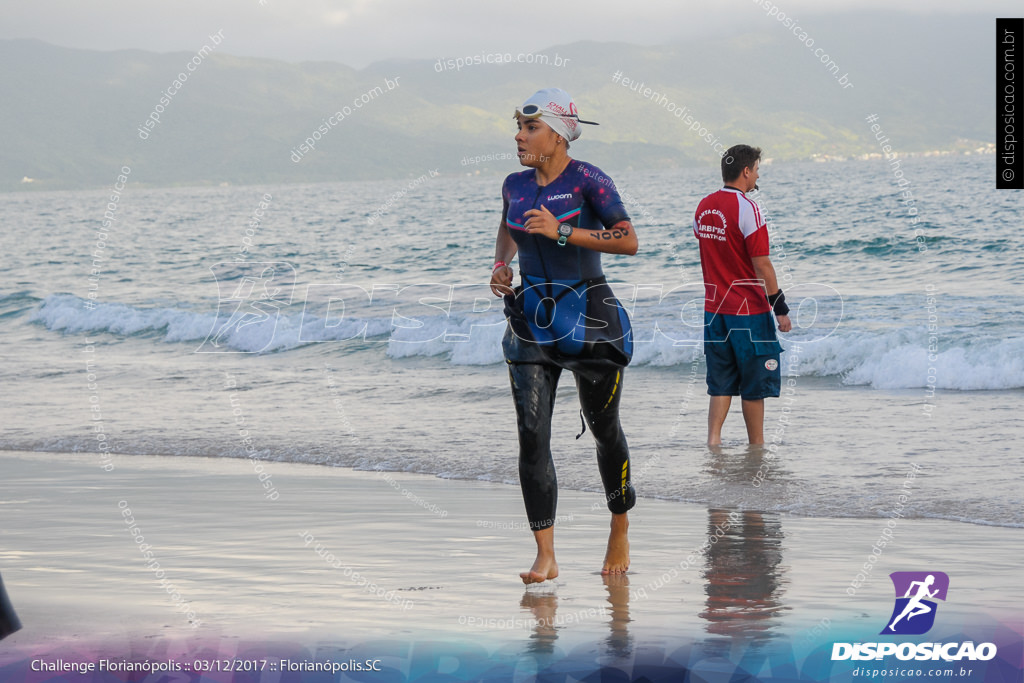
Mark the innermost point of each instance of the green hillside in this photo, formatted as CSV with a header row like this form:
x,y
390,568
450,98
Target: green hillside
x,y
70,118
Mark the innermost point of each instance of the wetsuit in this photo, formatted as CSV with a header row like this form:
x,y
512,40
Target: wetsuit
x,y
9,622
564,315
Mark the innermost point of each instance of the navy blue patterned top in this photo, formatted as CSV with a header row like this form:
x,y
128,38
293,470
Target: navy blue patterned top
x,y
581,196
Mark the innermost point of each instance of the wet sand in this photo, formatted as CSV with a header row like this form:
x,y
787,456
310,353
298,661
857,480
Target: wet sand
x,y
322,557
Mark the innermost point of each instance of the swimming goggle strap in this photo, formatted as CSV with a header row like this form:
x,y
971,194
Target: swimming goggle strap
x,y
533,111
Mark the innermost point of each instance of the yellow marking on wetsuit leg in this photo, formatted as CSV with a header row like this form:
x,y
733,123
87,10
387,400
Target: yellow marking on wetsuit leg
x,y
625,468
618,374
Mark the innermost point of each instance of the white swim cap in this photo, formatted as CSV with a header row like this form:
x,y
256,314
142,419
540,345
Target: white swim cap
x,y
555,107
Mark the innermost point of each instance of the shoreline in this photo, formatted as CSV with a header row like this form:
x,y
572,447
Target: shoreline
x,y
730,450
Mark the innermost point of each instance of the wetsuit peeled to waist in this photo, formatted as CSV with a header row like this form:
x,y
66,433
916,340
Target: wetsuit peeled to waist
x,y
564,312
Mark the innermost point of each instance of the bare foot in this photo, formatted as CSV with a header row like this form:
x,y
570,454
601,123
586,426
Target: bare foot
x,y
544,568
616,559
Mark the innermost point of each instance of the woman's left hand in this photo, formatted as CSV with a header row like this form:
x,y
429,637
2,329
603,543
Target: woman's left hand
x,y
541,222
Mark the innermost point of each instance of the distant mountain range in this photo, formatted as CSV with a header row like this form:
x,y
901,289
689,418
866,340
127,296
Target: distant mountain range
x,y
72,118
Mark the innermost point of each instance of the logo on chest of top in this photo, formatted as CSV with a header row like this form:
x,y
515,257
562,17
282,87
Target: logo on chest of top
x,y
711,225
560,196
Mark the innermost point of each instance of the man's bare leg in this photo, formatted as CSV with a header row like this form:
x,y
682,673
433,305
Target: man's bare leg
x,y
544,567
616,559
717,411
753,415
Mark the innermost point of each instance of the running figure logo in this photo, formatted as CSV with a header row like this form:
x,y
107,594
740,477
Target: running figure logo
x,y
251,296
914,612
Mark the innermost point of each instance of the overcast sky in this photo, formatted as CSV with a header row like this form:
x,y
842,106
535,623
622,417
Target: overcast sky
x,y
358,32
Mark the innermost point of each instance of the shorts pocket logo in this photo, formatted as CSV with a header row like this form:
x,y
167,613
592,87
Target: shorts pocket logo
x,y
771,364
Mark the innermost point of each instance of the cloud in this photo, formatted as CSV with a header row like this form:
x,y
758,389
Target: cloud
x,y
358,32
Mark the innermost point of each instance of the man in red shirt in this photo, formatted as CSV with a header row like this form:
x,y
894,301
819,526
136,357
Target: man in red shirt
x,y
740,294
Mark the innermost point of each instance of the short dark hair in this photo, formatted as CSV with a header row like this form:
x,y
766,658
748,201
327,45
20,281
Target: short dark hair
x,y
737,158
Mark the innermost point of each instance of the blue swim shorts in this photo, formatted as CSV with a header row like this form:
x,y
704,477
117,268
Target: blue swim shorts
x,y
742,354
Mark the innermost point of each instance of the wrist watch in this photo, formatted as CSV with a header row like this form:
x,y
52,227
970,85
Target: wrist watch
x,y
564,232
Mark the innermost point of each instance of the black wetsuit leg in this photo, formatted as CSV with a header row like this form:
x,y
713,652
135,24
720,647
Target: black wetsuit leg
x,y
533,390
600,404
9,622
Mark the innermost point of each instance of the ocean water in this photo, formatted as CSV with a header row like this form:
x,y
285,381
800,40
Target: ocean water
x,y
352,326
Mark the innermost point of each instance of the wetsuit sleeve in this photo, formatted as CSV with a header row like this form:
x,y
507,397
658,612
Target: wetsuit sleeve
x,y
600,193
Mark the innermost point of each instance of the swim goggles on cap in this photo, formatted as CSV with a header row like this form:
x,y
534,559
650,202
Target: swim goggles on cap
x,y
534,111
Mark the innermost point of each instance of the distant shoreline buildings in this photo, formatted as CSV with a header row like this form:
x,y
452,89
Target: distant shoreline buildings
x,y
965,150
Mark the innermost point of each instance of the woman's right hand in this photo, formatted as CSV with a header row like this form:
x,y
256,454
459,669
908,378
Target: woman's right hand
x,y
501,281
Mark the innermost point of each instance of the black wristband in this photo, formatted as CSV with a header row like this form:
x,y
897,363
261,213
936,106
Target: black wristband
x,y
778,303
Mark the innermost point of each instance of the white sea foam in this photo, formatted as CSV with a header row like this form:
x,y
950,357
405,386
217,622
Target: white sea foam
x,y
881,359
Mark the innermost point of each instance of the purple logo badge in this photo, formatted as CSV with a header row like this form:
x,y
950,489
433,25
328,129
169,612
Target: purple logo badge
x,y
916,592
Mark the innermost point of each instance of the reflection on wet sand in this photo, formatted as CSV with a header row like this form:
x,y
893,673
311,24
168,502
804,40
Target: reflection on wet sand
x,y
743,572
744,575
543,604
546,621
619,642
